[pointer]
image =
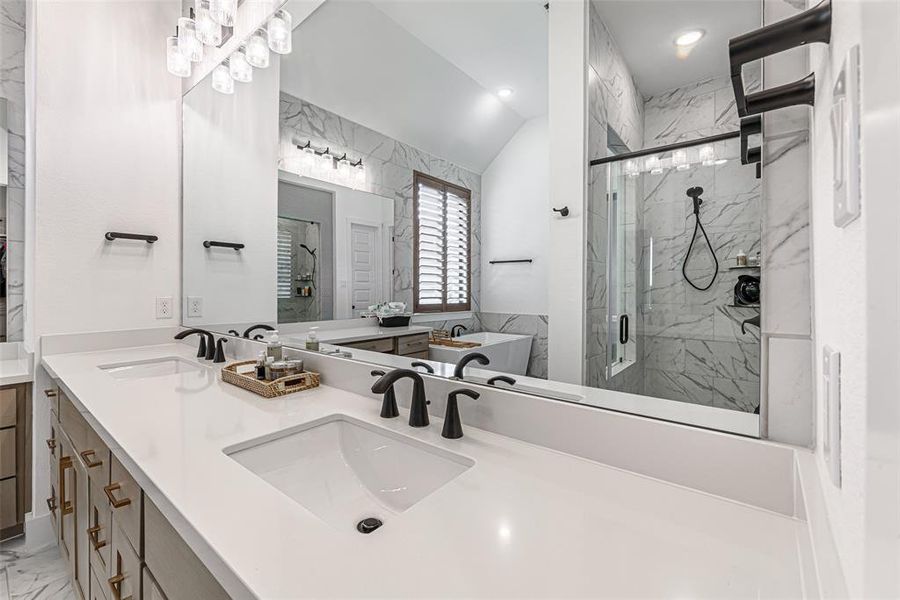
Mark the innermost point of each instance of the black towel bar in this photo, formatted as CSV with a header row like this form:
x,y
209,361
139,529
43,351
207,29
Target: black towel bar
x,y
118,235
212,244
813,25
518,260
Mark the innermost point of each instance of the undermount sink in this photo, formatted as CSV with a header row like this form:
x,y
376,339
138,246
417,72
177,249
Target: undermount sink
x,y
154,367
344,470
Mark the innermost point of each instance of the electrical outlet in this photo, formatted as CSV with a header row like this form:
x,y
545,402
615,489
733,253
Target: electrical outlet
x,y
195,306
164,307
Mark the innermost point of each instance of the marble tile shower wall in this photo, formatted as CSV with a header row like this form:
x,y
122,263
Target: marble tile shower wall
x,y
12,87
389,172
694,350
613,102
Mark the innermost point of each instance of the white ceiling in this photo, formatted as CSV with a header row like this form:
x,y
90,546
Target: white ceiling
x,y
425,73
645,31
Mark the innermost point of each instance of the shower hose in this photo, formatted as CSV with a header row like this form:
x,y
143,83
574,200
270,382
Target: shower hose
x,y
694,193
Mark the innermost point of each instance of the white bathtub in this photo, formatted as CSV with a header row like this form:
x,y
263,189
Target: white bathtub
x,y
507,352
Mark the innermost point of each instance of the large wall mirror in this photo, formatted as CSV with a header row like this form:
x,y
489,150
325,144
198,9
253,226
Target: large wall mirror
x,y
398,157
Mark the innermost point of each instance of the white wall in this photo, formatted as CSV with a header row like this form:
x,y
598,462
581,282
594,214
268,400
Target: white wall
x,y
515,223
231,194
856,299
106,116
568,186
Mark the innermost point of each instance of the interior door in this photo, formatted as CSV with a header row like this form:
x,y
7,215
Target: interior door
x,y
364,260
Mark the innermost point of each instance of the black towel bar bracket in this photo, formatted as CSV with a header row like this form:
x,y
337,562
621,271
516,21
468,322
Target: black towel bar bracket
x,y
751,155
214,244
813,25
118,235
518,260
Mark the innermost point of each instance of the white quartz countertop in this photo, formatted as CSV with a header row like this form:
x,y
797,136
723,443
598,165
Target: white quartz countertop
x,y
14,370
523,521
354,334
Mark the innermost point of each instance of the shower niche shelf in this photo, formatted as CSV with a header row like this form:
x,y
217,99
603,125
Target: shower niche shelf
x,y
743,267
732,305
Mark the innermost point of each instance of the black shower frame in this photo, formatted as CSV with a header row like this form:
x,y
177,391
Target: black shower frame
x,y
667,148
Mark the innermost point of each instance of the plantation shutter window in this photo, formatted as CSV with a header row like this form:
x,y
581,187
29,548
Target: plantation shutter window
x,y
442,246
284,243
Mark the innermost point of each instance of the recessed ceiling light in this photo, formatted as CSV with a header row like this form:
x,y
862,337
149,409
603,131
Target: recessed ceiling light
x,y
505,92
689,38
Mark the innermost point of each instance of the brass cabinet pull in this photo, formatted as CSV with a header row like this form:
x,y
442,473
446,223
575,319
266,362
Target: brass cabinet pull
x,y
51,393
90,463
51,444
115,583
93,533
51,503
109,489
66,505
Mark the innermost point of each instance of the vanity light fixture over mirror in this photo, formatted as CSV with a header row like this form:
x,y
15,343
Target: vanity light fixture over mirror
x,y
391,187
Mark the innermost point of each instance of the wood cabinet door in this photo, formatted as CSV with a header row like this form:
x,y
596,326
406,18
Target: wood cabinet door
x,y
82,548
66,500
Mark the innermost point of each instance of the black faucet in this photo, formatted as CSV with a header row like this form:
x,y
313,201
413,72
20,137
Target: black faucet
x,y
455,331
452,425
426,366
418,409
207,348
251,329
503,378
220,351
234,333
476,356
389,402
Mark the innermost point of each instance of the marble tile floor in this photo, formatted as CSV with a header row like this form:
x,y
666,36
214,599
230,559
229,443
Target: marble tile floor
x,y
33,574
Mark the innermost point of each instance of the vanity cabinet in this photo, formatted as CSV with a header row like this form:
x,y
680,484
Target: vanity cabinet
x,y
116,542
15,458
411,346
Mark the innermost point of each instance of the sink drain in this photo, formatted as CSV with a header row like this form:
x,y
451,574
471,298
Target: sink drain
x,y
368,525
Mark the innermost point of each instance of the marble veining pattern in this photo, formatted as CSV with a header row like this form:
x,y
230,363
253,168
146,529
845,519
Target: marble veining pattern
x,y
389,171
33,574
534,325
12,199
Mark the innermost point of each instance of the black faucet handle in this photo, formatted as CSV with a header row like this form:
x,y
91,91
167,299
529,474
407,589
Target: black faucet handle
x,y
452,424
234,333
503,378
377,373
426,366
389,408
220,350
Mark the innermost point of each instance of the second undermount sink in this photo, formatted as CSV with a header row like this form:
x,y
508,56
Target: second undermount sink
x,y
154,367
344,470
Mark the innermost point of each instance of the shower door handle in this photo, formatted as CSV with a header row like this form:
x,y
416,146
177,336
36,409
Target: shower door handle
x,y
623,329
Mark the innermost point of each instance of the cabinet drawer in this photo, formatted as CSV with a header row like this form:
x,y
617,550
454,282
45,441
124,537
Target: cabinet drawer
x,y
8,407
151,590
95,457
180,574
52,394
8,503
412,344
7,452
98,530
380,345
124,497
419,355
72,423
124,580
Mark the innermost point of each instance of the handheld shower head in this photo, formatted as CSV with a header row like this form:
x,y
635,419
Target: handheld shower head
x,y
694,194
305,247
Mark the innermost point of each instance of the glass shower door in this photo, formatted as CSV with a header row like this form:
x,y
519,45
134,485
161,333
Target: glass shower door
x,y
621,269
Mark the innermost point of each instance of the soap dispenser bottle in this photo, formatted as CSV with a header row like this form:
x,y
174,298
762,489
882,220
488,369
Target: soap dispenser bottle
x,y
274,348
312,340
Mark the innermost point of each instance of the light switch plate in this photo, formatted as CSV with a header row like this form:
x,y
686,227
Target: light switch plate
x,y
845,136
195,306
831,379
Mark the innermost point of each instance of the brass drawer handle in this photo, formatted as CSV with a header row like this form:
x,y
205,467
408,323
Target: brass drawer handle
x,y
66,505
109,489
51,504
51,444
115,583
51,393
94,534
90,463
67,508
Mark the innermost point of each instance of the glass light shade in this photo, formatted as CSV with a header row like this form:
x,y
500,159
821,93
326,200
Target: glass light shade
x,y
707,155
239,68
279,30
324,166
177,63
223,11
359,175
257,50
221,80
188,42
344,172
680,160
631,168
653,165
308,161
208,31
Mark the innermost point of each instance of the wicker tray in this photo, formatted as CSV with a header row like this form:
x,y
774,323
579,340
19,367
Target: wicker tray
x,y
246,378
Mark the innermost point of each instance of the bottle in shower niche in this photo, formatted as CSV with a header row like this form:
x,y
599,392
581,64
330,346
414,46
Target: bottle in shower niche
x,y
274,348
